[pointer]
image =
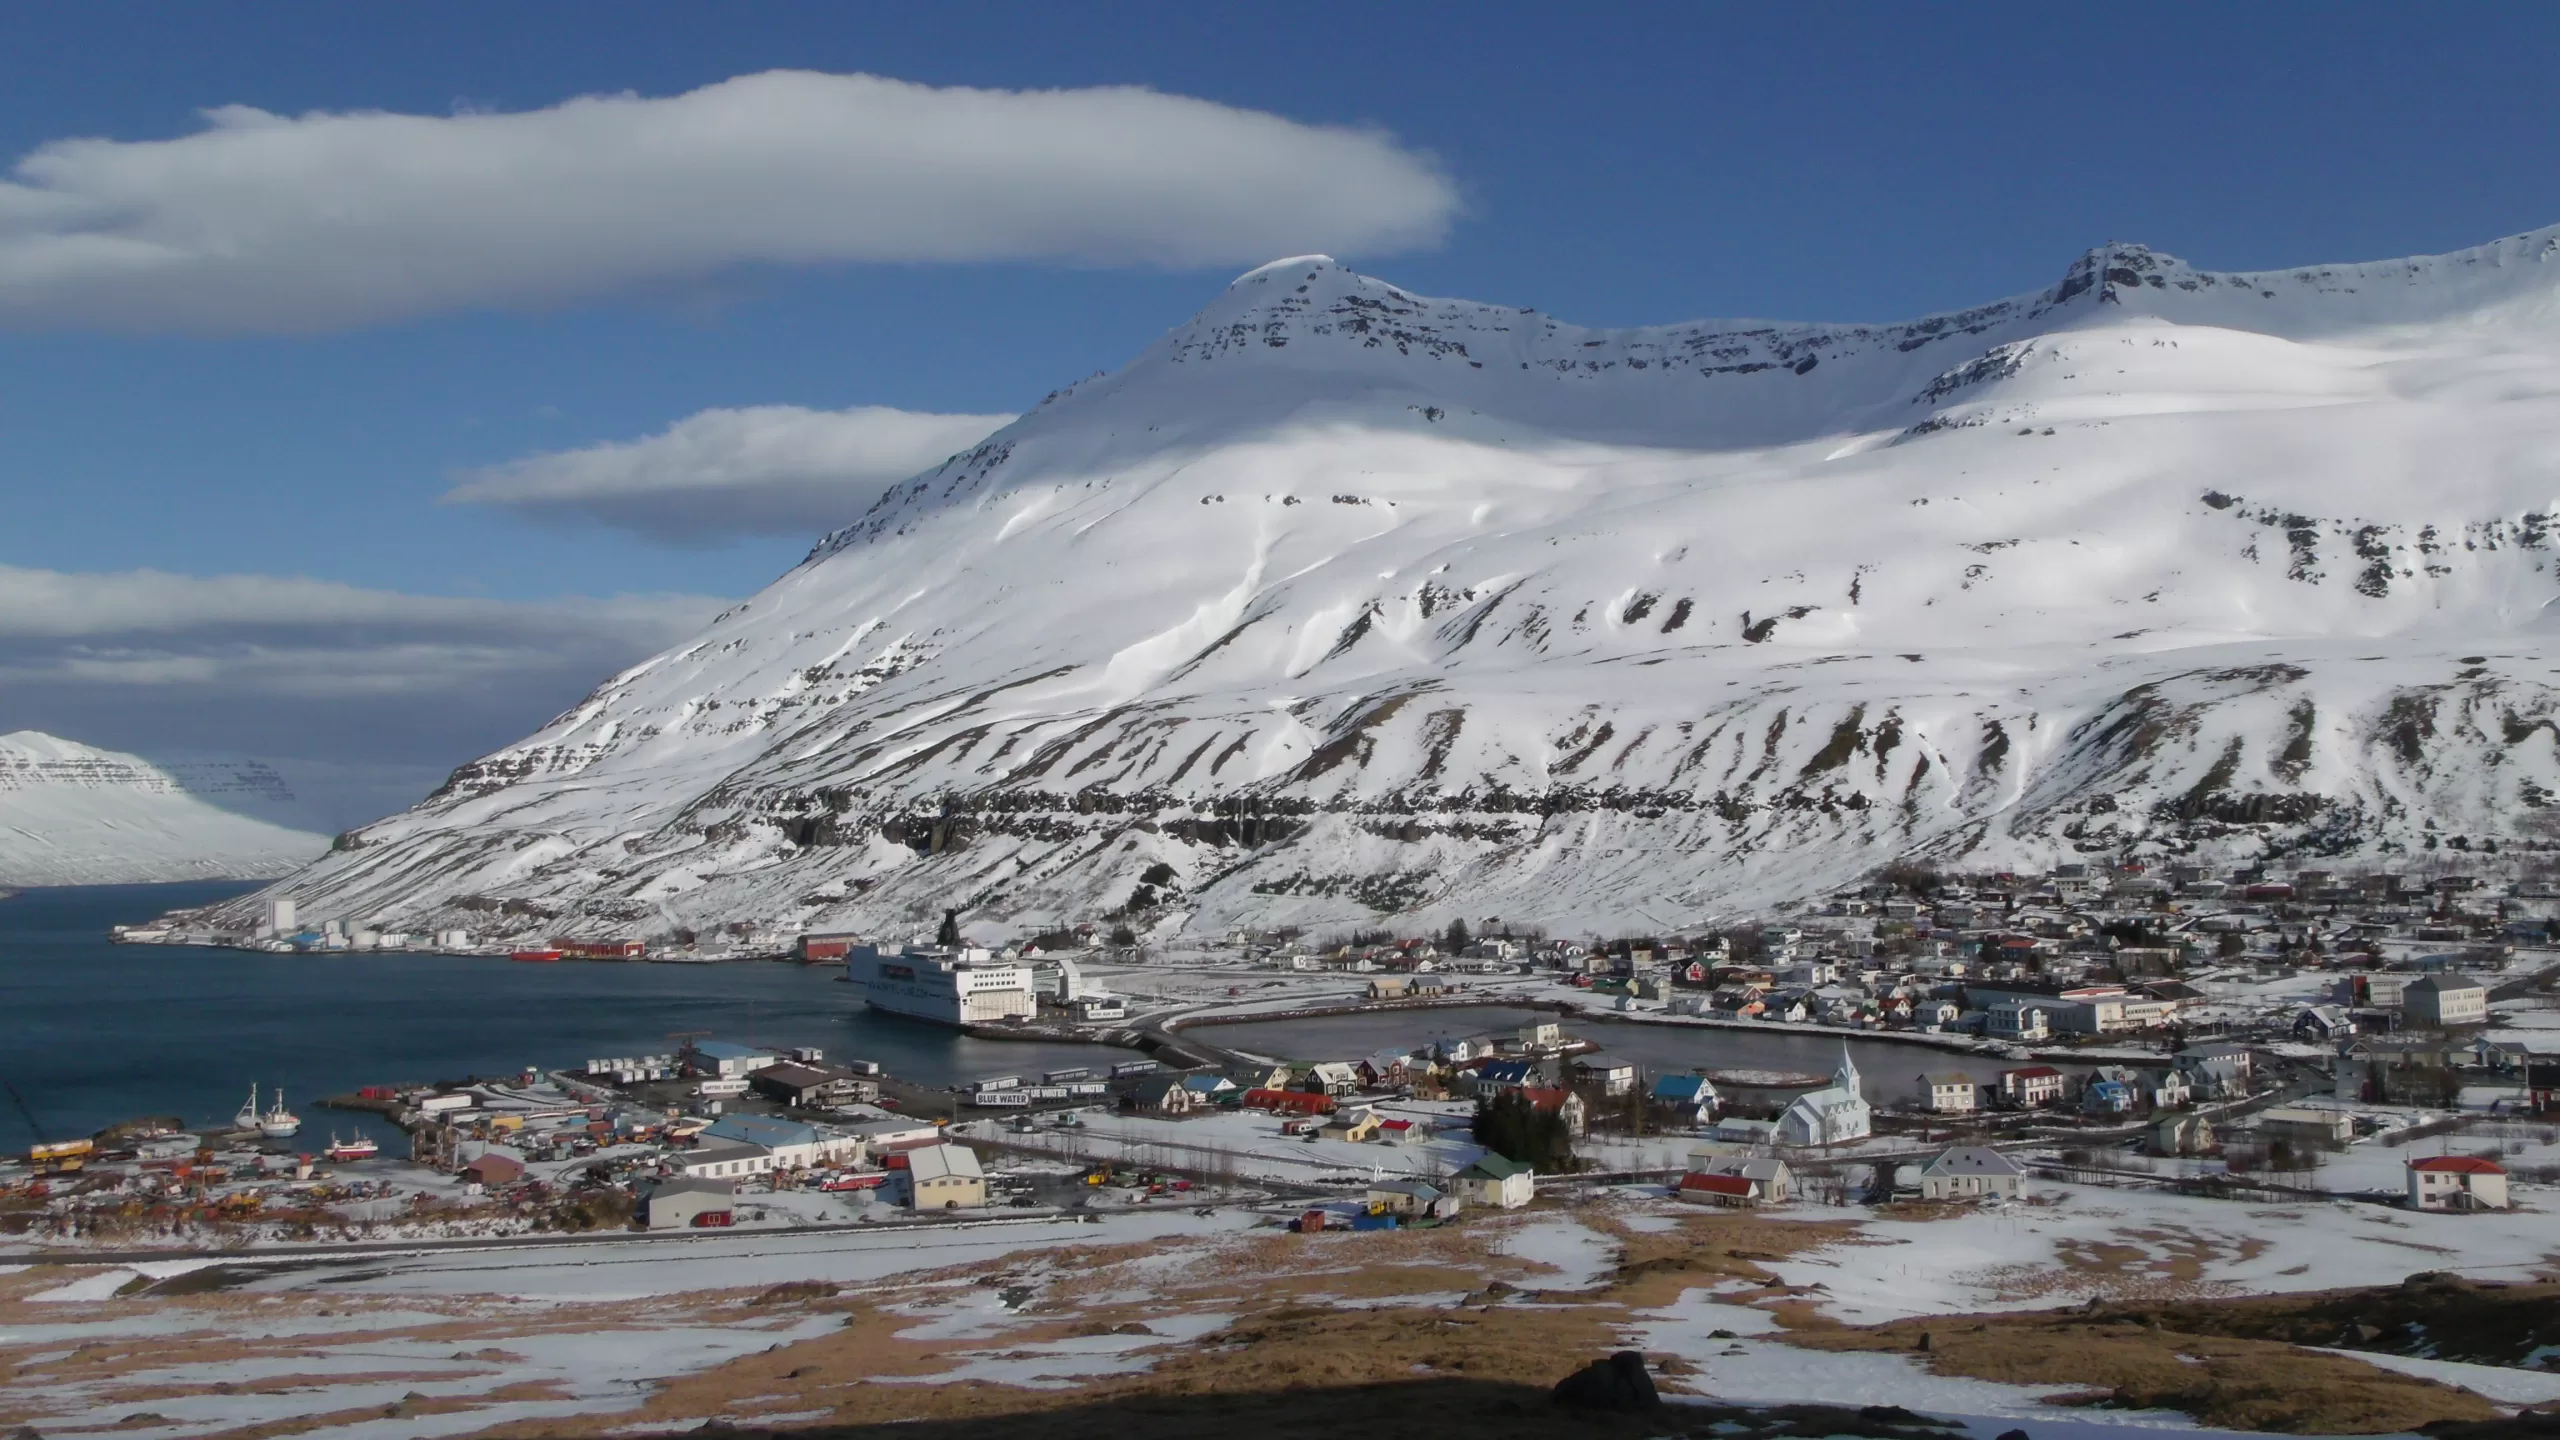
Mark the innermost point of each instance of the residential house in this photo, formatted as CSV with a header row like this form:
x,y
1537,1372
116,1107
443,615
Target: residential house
x,y
1415,1199
1563,1102
2321,1024
1612,1077
1401,1132
1492,1077
1385,1070
2031,1087
2457,1182
1163,1095
1356,1126
2219,1073
1737,1182
1209,1089
1259,1077
1971,1172
945,1177
1694,1096
2109,1093
1953,1093
1496,1182
1333,1077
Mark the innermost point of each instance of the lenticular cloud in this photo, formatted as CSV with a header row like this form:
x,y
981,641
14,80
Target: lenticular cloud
x,y
265,222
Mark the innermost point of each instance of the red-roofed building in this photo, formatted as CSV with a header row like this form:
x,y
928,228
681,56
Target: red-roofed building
x,y
1731,1190
2457,1182
1562,1101
1288,1102
2031,1087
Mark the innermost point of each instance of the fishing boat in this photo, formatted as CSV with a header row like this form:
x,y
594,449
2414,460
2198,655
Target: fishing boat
x,y
279,1123
247,1119
360,1148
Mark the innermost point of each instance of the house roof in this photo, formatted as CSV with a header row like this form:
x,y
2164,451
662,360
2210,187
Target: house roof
x,y
724,1050
1490,1166
765,1130
720,1151
2458,1165
2032,1072
1681,1087
1547,1098
1973,1160
941,1162
1716,1184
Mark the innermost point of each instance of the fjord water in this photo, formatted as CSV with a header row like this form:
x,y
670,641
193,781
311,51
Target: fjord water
x,y
92,1032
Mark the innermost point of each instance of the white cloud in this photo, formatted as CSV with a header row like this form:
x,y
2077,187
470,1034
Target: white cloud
x,y
760,470
264,222
346,681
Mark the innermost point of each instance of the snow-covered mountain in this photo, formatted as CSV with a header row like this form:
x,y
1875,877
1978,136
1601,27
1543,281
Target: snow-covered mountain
x,y
1340,602
71,814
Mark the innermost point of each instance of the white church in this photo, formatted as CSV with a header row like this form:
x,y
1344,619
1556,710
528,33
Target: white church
x,y
1829,1115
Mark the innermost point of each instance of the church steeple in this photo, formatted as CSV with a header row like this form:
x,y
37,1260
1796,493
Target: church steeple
x,y
1846,1077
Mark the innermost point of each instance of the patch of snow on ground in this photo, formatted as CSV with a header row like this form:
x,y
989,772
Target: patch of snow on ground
x,y
2503,1384
1583,1256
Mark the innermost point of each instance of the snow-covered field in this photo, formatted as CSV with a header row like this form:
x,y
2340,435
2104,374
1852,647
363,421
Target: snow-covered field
x,y
447,1342
1342,602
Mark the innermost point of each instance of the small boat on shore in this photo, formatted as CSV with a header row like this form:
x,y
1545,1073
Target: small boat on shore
x,y
279,1123
360,1148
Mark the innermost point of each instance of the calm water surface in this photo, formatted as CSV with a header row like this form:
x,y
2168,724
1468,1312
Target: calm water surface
x,y
1891,1071
92,1033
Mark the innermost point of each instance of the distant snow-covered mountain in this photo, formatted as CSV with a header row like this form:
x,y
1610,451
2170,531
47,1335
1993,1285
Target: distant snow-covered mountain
x,y
1340,603
71,814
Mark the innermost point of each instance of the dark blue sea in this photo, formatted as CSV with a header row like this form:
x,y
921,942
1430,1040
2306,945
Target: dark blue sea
x,y
92,1032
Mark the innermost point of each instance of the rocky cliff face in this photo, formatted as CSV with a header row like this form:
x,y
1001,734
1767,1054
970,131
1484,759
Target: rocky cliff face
x,y
1343,603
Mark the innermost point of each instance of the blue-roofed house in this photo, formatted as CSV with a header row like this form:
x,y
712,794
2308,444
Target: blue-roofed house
x,y
1692,1095
1210,1088
1495,1076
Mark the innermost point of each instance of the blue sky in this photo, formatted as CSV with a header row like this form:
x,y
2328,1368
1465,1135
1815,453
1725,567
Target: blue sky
x,y
1659,164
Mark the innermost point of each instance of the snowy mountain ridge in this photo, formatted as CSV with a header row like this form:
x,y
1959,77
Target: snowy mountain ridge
x,y
72,814
1341,602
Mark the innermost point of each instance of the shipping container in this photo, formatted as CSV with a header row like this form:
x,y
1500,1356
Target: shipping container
x,y
1127,1068
1073,1072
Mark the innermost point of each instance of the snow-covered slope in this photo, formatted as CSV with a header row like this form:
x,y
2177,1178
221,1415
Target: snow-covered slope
x,y
1343,602
71,814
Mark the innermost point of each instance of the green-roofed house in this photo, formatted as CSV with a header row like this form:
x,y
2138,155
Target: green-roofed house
x,y
1496,1182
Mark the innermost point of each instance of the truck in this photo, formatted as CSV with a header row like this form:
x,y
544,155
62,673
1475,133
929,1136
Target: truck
x,y
1000,1099
1127,1068
60,1157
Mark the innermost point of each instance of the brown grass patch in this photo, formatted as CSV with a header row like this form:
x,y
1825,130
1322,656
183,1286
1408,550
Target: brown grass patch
x,y
2239,1384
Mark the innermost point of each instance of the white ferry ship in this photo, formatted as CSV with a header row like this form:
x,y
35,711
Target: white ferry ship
x,y
962,986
